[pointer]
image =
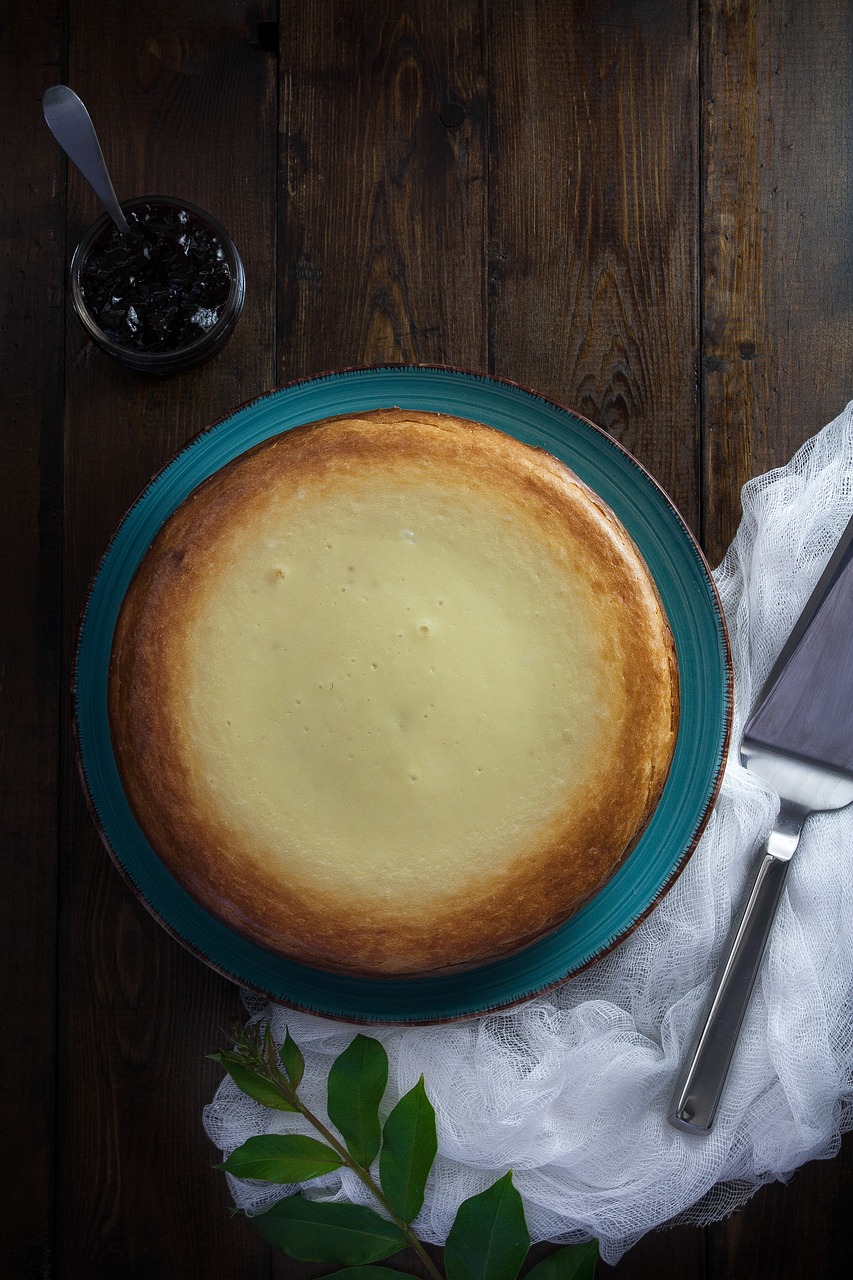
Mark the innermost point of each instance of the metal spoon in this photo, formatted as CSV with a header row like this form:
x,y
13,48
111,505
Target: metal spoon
x,y
71,125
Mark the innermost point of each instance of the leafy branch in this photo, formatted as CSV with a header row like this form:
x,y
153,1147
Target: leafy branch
x,y
489,1238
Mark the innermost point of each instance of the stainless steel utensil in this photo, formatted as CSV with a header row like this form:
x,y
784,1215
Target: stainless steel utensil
x,y
71,125
799,740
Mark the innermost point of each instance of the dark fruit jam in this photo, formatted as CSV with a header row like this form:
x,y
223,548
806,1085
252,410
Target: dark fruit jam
x,y
160,287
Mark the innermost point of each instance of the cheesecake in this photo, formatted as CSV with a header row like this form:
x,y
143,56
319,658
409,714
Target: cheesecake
x,y
393,694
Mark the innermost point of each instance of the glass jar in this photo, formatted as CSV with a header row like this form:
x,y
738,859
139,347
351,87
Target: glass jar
x,y
167,296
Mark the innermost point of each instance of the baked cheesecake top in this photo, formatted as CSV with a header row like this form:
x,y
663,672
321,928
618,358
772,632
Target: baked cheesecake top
x,y
393,693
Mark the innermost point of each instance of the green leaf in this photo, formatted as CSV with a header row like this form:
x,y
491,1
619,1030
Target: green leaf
x,y
253,1083
575,1262
292,1061
357,1081
409,1146
287,1157
489,1238
315,1231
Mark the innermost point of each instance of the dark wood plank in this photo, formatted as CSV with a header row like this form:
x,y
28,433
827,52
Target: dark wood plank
x,y
593,208
185,106
776,233
382,205
31,326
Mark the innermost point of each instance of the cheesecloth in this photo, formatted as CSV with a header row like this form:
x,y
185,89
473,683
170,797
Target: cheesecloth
x,y
572,1090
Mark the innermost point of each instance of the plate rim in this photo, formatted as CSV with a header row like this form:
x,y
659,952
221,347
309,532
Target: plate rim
x,y
372,1018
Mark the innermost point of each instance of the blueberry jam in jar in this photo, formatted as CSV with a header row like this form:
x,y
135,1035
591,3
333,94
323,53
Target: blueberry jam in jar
x,y
165,295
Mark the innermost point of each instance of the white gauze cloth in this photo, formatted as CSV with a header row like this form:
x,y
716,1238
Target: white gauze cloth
x,y
571,1090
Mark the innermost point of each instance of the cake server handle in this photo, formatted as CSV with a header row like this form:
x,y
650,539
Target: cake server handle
x,y
706,1065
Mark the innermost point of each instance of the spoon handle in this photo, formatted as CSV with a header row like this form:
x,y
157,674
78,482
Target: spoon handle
x,y
71,125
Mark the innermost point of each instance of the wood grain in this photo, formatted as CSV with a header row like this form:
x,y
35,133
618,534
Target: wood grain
x,y
383,206
777,225
31,246
137,1194
593,219
776,300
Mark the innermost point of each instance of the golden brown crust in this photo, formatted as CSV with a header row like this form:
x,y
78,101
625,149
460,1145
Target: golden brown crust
x,y
207,853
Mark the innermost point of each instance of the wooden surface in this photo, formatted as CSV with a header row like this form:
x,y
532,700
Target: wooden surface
x,y
642,210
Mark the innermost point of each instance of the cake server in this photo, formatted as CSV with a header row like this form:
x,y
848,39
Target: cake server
x,y
799,740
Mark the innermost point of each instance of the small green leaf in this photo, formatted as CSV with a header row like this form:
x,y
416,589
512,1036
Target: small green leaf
x,y
315,1231
409,1146
489,1238
574,1262
287,1157
253,1083
357,1081
292,1061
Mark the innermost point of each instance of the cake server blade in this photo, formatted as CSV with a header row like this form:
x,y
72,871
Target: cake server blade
x,y
799,740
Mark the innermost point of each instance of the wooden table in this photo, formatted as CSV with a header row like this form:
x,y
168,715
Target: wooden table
x,y
641,209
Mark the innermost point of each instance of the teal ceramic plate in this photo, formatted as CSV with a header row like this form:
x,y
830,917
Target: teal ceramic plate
x,y
692,606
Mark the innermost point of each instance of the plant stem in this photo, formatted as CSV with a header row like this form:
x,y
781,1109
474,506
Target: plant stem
x,y
260,1053
365,1176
